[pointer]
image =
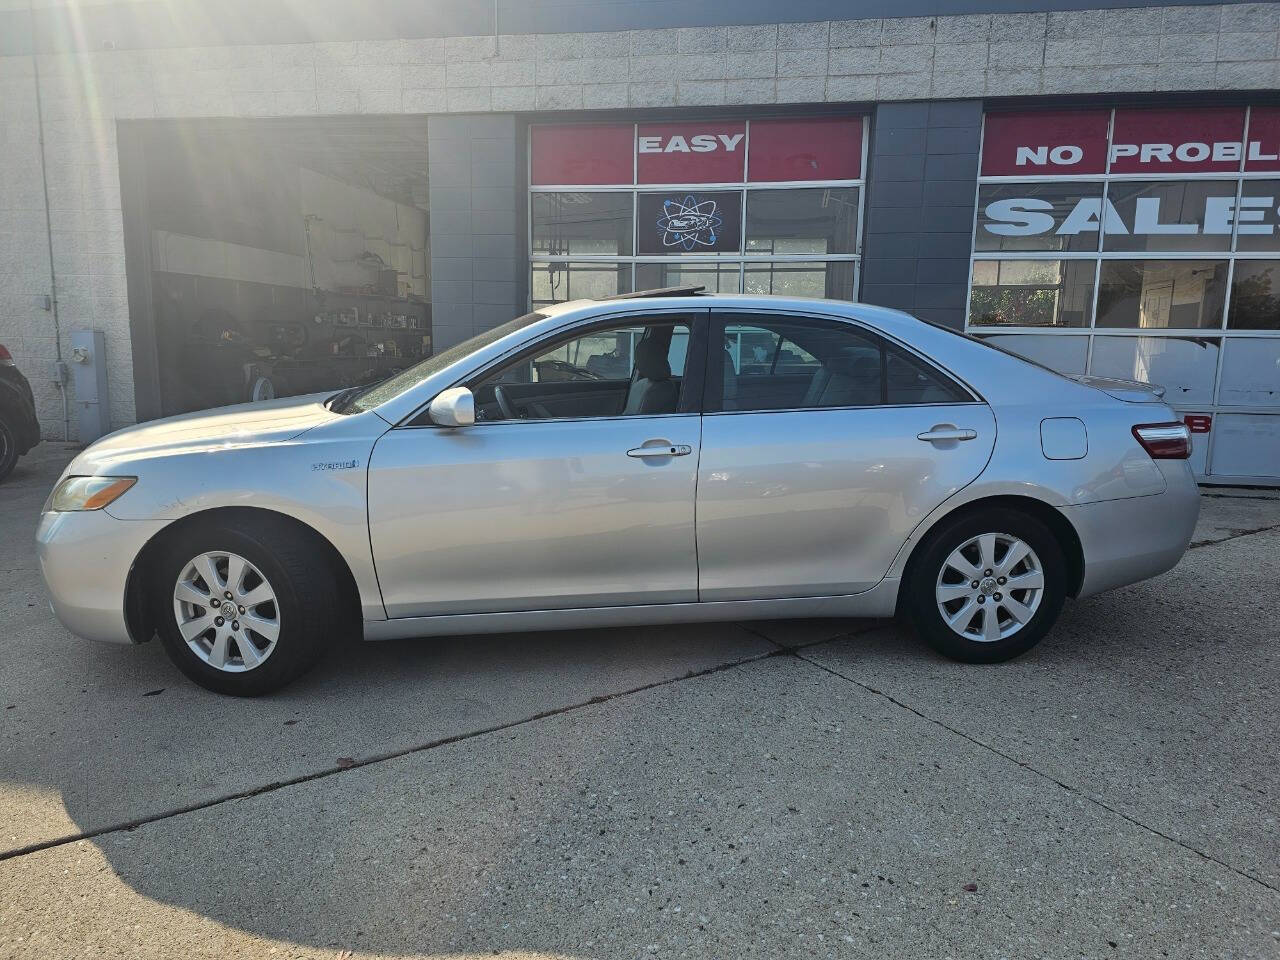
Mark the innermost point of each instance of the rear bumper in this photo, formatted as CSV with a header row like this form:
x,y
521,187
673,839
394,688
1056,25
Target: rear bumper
x,y
86,558
1136,538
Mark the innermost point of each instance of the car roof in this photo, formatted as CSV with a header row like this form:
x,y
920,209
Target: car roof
x,y
884,317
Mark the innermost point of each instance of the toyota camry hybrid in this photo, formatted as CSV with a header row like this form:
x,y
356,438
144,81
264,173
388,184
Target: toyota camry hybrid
x,y
655,458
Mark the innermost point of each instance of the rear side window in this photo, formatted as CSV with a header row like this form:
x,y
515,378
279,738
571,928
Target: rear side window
x,y
784,363
908,381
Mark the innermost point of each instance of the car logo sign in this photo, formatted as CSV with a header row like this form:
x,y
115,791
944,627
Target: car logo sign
x,y
689,223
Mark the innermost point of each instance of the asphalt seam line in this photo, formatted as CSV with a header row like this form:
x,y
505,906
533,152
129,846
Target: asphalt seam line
x,y
796,652
1234,535
128,825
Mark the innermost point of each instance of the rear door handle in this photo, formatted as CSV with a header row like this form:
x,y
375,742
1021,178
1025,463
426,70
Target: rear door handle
x,y
662,449
945,432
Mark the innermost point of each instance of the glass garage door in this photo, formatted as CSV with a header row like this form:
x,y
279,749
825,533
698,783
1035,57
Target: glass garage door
x,y
767,206
1143,244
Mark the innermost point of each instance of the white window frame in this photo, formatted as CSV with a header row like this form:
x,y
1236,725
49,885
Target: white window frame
x,y
741,258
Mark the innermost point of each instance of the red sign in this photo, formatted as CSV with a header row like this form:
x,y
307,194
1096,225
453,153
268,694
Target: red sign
x,y
1198,422
825,149
1176,140
701,151
581,154
695,152
1263,152
1064,142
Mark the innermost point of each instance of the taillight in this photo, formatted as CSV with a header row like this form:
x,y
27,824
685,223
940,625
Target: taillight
x,y
5,356
1164,441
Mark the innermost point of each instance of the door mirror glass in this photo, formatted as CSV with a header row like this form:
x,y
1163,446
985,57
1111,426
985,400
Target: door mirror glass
x,y
455,407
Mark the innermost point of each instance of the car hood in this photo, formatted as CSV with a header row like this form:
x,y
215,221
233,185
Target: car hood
x,y
1132,391
271,421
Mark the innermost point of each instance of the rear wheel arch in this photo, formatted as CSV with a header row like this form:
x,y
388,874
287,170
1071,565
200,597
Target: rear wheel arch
x,y
1050,516
137,608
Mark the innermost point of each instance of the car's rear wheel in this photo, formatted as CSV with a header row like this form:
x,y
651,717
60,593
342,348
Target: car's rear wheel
x,y
987,586
8,446
243,609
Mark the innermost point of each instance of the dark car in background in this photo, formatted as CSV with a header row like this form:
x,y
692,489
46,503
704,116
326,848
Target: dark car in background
x,y
19,429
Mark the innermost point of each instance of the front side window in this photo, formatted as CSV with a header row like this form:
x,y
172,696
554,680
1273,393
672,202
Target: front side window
x,y
800,364
637,369
381,392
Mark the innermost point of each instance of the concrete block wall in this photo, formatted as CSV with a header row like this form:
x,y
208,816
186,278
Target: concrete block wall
x,y
1228,46
921,182
478,251
26,327
85,226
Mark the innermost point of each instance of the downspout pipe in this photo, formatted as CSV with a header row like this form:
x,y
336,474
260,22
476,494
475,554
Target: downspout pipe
x,y
48,225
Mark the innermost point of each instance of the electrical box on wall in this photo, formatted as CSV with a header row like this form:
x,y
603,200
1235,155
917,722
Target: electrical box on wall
x,y
89,374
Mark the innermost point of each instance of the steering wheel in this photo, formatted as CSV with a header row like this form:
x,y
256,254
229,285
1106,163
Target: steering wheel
x,y
504,404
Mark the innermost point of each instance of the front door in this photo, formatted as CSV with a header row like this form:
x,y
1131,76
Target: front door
x,y
575,488
816,458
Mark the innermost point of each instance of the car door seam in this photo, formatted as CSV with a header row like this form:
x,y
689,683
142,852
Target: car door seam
x,y
368,522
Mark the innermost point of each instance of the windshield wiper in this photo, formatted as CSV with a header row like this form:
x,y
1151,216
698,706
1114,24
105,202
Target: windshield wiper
x,y
337,403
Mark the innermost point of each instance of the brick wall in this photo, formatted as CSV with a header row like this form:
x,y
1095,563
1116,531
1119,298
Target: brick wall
x,y
1209,47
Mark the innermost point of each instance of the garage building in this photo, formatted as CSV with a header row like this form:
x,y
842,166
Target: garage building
x,y
251,201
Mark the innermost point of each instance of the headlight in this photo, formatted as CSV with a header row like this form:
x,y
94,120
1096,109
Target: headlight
x,y
88,493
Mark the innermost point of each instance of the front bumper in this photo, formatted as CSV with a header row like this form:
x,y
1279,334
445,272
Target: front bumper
x,y
1136,538
85,558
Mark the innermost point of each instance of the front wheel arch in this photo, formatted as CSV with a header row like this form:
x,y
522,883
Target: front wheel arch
x,y
137,609
1058,524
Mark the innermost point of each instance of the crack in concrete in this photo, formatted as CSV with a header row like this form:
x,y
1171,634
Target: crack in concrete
x,y
1076,791
1238,496
128,825
1233,534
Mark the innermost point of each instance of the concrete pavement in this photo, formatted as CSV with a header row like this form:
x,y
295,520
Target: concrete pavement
x,y
826,789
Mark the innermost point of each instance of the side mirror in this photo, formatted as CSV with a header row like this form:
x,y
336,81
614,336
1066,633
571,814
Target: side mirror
x,y
455,407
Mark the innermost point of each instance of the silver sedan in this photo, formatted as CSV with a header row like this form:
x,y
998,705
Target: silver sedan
x,y
650,459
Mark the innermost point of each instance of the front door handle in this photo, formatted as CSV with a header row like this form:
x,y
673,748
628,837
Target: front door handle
x,y
661,448
944,431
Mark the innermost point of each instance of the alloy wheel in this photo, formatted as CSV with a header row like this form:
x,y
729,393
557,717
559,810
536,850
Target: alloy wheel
x,y
990,587
227,612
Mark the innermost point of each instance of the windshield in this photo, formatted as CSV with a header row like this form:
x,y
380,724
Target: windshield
x,y
393,386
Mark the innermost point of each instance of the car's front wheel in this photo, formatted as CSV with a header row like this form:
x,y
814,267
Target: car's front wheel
x,y
243,608
987,586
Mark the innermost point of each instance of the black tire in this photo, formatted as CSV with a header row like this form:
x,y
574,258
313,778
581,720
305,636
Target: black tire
x,y
920,599
8,445
305,587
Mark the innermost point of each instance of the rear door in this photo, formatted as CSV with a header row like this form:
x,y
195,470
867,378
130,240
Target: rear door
x,y
823,446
